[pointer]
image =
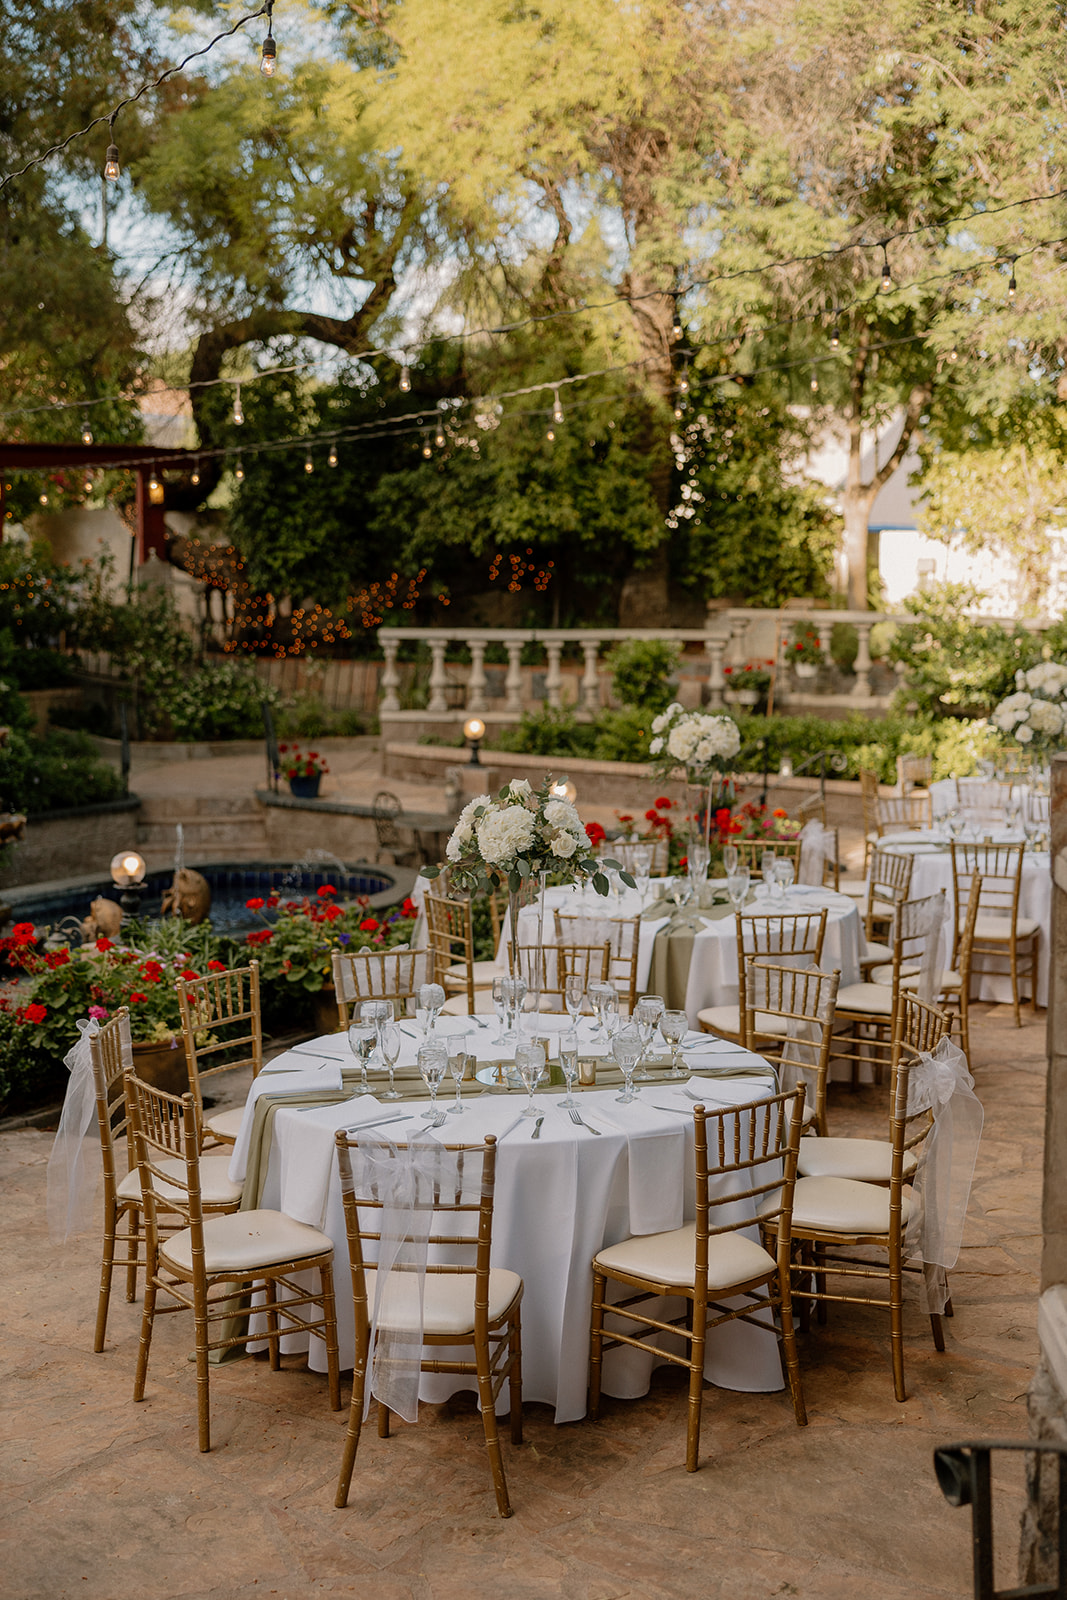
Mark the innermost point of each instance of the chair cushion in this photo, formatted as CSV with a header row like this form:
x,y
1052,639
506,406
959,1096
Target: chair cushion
x,y
727,1020
457,1006
245,1240
225,1124
876,952
874,999
671,1258
910,979
216,1189
884,910
448,1306
868,1160
855,888
484,973
999,928
840,1205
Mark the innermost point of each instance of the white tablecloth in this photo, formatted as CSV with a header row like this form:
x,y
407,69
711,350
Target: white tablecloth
x,y
558,1201
933,871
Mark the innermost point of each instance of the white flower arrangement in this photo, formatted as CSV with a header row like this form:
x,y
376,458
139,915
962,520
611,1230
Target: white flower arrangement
x,y
1036,714
696,740
519,835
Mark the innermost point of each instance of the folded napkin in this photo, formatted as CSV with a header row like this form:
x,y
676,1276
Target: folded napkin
x,y
333,1045
494,1114
299,1079
729,1091
305,1140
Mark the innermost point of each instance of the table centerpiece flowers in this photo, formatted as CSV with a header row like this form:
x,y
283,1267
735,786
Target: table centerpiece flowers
x,y
1036,714
703,743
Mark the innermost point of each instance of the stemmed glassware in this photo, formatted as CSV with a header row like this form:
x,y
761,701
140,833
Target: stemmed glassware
x,y
737,886
642,871
730,857
785,874
626,1047
768,865
698,861
514,993
674,1025
646,1014
362,1037
457,1065
431,999
606,1001
574,996
433,1064
530,1060
568,1060
681,889
389,1042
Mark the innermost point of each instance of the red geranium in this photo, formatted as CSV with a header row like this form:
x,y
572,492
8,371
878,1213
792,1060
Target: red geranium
x,y
259,936
595,833
272,901
152,972
652,816
255,904
189,973
104,945
216,966
56,958
137,995
663,804
326,891
369,925
35,1012
410,909
331,913
23,933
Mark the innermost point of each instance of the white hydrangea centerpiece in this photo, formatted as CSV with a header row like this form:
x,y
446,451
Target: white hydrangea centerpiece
x,y
522,833
700,741
1035,716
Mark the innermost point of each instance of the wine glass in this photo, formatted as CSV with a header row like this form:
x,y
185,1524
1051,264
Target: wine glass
x,y
699,861
389,1041
530,1060
607,1006
730,857
596,990
431,999
573,996
378,1012
674,1025
626,1048
768,865
737,886
433,1064
642,870
785,872
457,1065
362,1037
500,1004
681,889
646,1014
514,995
568,1060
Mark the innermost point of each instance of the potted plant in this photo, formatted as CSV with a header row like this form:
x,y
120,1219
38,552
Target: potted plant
x,y
806,655
748,685
303,773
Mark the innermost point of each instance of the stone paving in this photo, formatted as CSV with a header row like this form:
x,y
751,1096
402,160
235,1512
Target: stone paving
x,y
105,1498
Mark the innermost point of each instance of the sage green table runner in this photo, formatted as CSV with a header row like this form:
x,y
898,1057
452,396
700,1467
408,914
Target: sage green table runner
x,y
672,952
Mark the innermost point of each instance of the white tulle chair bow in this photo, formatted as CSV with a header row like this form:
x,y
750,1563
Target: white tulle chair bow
x,y
818,845
940,1083
73,1171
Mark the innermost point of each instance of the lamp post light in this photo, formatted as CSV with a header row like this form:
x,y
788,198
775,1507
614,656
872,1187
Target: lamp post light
x,y
564,790
474,733
127,873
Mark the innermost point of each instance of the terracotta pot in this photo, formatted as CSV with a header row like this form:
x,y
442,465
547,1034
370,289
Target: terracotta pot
x,y
163,1066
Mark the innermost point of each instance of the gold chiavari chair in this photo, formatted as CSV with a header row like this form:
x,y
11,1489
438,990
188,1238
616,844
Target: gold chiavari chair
x,y
869,794
794,1006
374,975
889,875
464,1302
750,851
711,1259
551,965
798,935
123,1227
952,991
450,938
623,935
833,1216
903,813
203,1266
626,853
220,1018
863,1027
812,809
914,772
999,929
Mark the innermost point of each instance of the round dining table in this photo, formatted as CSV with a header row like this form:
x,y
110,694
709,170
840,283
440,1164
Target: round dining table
x,y
560,1197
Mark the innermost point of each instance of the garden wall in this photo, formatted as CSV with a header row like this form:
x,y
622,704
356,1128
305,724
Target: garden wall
x,y
68,844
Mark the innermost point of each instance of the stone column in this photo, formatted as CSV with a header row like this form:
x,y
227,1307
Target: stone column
x,y
862,686
553,676
476,681
591,677
438,676
390,677
716,649
513,680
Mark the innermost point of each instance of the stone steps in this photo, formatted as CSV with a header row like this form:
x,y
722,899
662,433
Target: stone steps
x,y
213,825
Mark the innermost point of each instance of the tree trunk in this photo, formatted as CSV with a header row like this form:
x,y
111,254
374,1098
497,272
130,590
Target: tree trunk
x,y
856,507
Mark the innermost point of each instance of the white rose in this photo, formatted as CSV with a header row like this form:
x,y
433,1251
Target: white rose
x,y
504,834
656,746
521,792
660,722
561,814
1046,717
1024,734
704,750
673,709
564,845
682,741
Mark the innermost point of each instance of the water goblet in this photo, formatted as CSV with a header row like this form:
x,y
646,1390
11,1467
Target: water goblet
x,y
431,999
646,1014
568,1060
737,887
607,1007
457,1066
433,1064
389,1041
362,1037
785,873
730,857
681,889
674,1025
514,995
698,862
376,1012
573,996
626,1049
530,1061
596,989
768,865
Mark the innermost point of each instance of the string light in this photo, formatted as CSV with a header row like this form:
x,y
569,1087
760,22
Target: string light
x,y
87,485
954,354
268,63
194,476
557,409
309,465
426,448
331,459
887,276
814,381
154,484
1012,285
43,498
111,160
238,408
683,377
405,380
676,330
239,471
439,436
551,436
87,433
835,336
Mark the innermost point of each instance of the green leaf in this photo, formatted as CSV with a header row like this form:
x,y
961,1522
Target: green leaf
x,y
431,872
600,883
624,877
514,882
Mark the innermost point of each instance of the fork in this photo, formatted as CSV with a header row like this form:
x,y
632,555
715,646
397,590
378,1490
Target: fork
x,y
578,1123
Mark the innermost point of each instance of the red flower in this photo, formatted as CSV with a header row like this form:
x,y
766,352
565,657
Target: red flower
x,y
136,996
410,909
663,804
287,965
623,818
255,904
683,862
260,936
272,901
35,1012
799,645
151,972
22,933
57,958
189,973
282,748
104,945
595,833
326,891
727,670
369,925
216,966
651,816
778,812
332,913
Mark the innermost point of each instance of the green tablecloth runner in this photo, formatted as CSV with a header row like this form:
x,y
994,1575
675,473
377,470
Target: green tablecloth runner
x,y
672,952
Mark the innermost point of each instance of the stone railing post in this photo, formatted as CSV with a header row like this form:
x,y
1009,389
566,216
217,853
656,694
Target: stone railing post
x,y
390,676
716,680
476,683
438,676
553,675
590,677
513,680
862,685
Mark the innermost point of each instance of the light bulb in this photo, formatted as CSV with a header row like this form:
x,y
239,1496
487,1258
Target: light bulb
x,y
954,354
835,337
309,465
887,276
426,450
153,483
331,459
87,434
111,163
550,436
557,409
814,384
194,476
239,471
87,486
683,382
43,498
678,413
439,436
676,330
238,408
268,61
405,380
1012,286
